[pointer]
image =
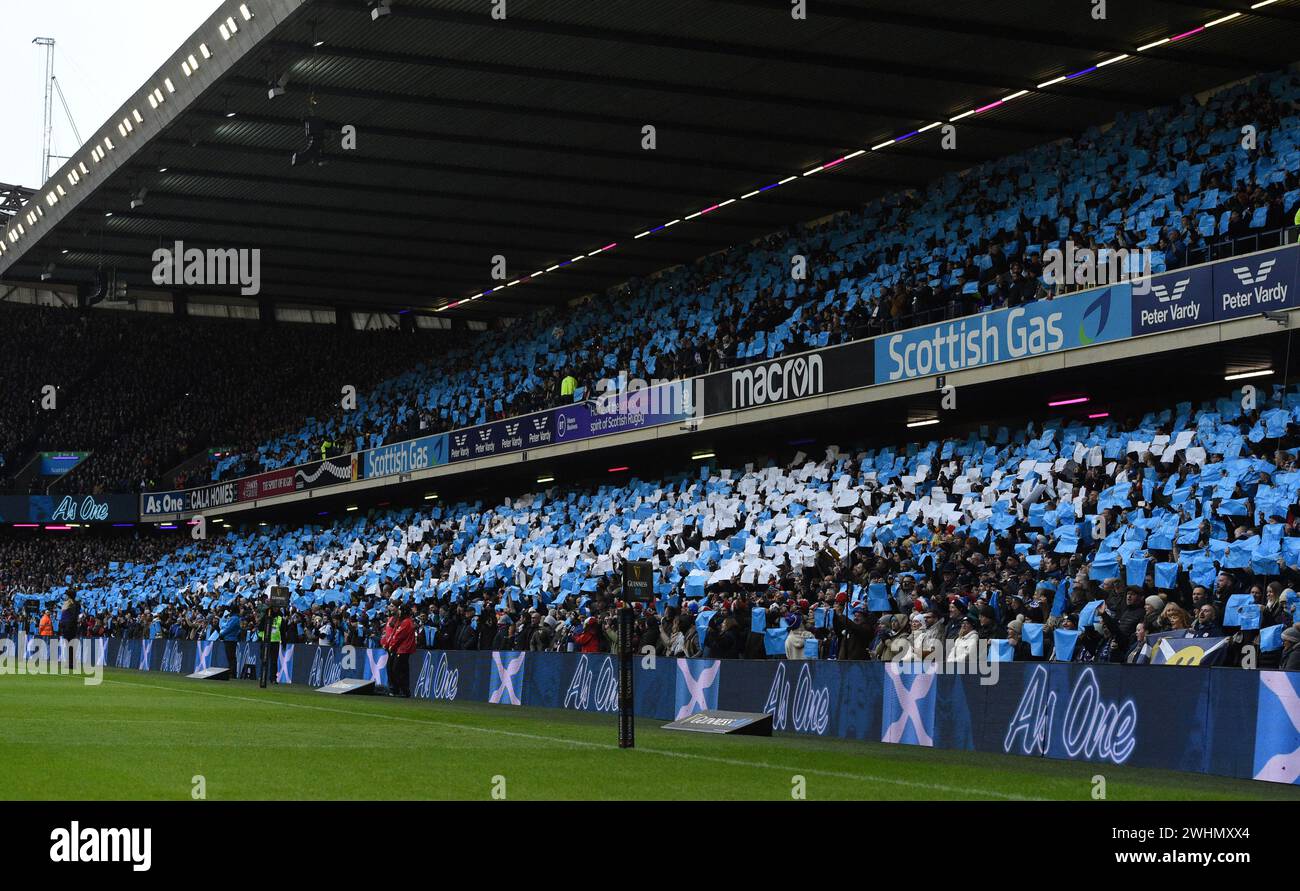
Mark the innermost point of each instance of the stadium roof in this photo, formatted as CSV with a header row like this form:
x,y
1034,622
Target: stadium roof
x,y
523,137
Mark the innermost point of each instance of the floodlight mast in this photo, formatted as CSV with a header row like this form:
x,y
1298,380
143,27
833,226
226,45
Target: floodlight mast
x,y
47,123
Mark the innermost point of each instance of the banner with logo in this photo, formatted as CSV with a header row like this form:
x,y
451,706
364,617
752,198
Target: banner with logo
x,y
1247,286
829,370
1230,722
267,485
405,457
68,509
329,472
1174,300
1003,335
59,463
667,402
189,501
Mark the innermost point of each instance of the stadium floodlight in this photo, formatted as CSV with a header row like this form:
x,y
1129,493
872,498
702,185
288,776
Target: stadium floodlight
x,y
1074,400
277,88
432,496
48,272
1242,375
702,456
546,479
137,200
379,9
925,423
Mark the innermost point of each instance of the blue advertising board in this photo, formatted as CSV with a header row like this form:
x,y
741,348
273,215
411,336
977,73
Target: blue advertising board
x,y
1172,300
405,457
665,403
1003,335
1253,284
68,509
1225,721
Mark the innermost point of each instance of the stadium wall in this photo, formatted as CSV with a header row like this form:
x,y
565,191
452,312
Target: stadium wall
x,y
1230,722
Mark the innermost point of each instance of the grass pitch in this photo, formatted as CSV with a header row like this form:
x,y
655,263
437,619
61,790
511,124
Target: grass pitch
x,y
150,736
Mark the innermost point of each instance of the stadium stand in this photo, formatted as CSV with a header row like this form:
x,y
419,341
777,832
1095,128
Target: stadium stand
x,y
1017,535
143,394
1165,180
1175,180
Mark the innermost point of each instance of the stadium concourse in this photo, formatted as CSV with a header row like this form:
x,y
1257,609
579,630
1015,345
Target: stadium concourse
x,y
1068,541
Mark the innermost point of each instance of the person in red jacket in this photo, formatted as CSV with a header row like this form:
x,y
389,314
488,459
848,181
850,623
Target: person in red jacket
x,y
588,640
400,638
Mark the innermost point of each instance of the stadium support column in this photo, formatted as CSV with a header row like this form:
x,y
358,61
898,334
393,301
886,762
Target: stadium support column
x,y
265,311
626,702
180,306
343,318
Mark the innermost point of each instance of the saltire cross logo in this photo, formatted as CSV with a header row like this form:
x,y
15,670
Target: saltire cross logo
x,y
146,650
908,712
1190,651
284,665
507,679
377,667
124,654
203,655
696,692
1277,728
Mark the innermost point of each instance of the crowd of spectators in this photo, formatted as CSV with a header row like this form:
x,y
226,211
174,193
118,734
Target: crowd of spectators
x,y
143,394
861,555
1181,182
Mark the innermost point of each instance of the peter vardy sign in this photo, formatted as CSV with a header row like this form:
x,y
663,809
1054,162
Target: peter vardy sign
x,y
1254,284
